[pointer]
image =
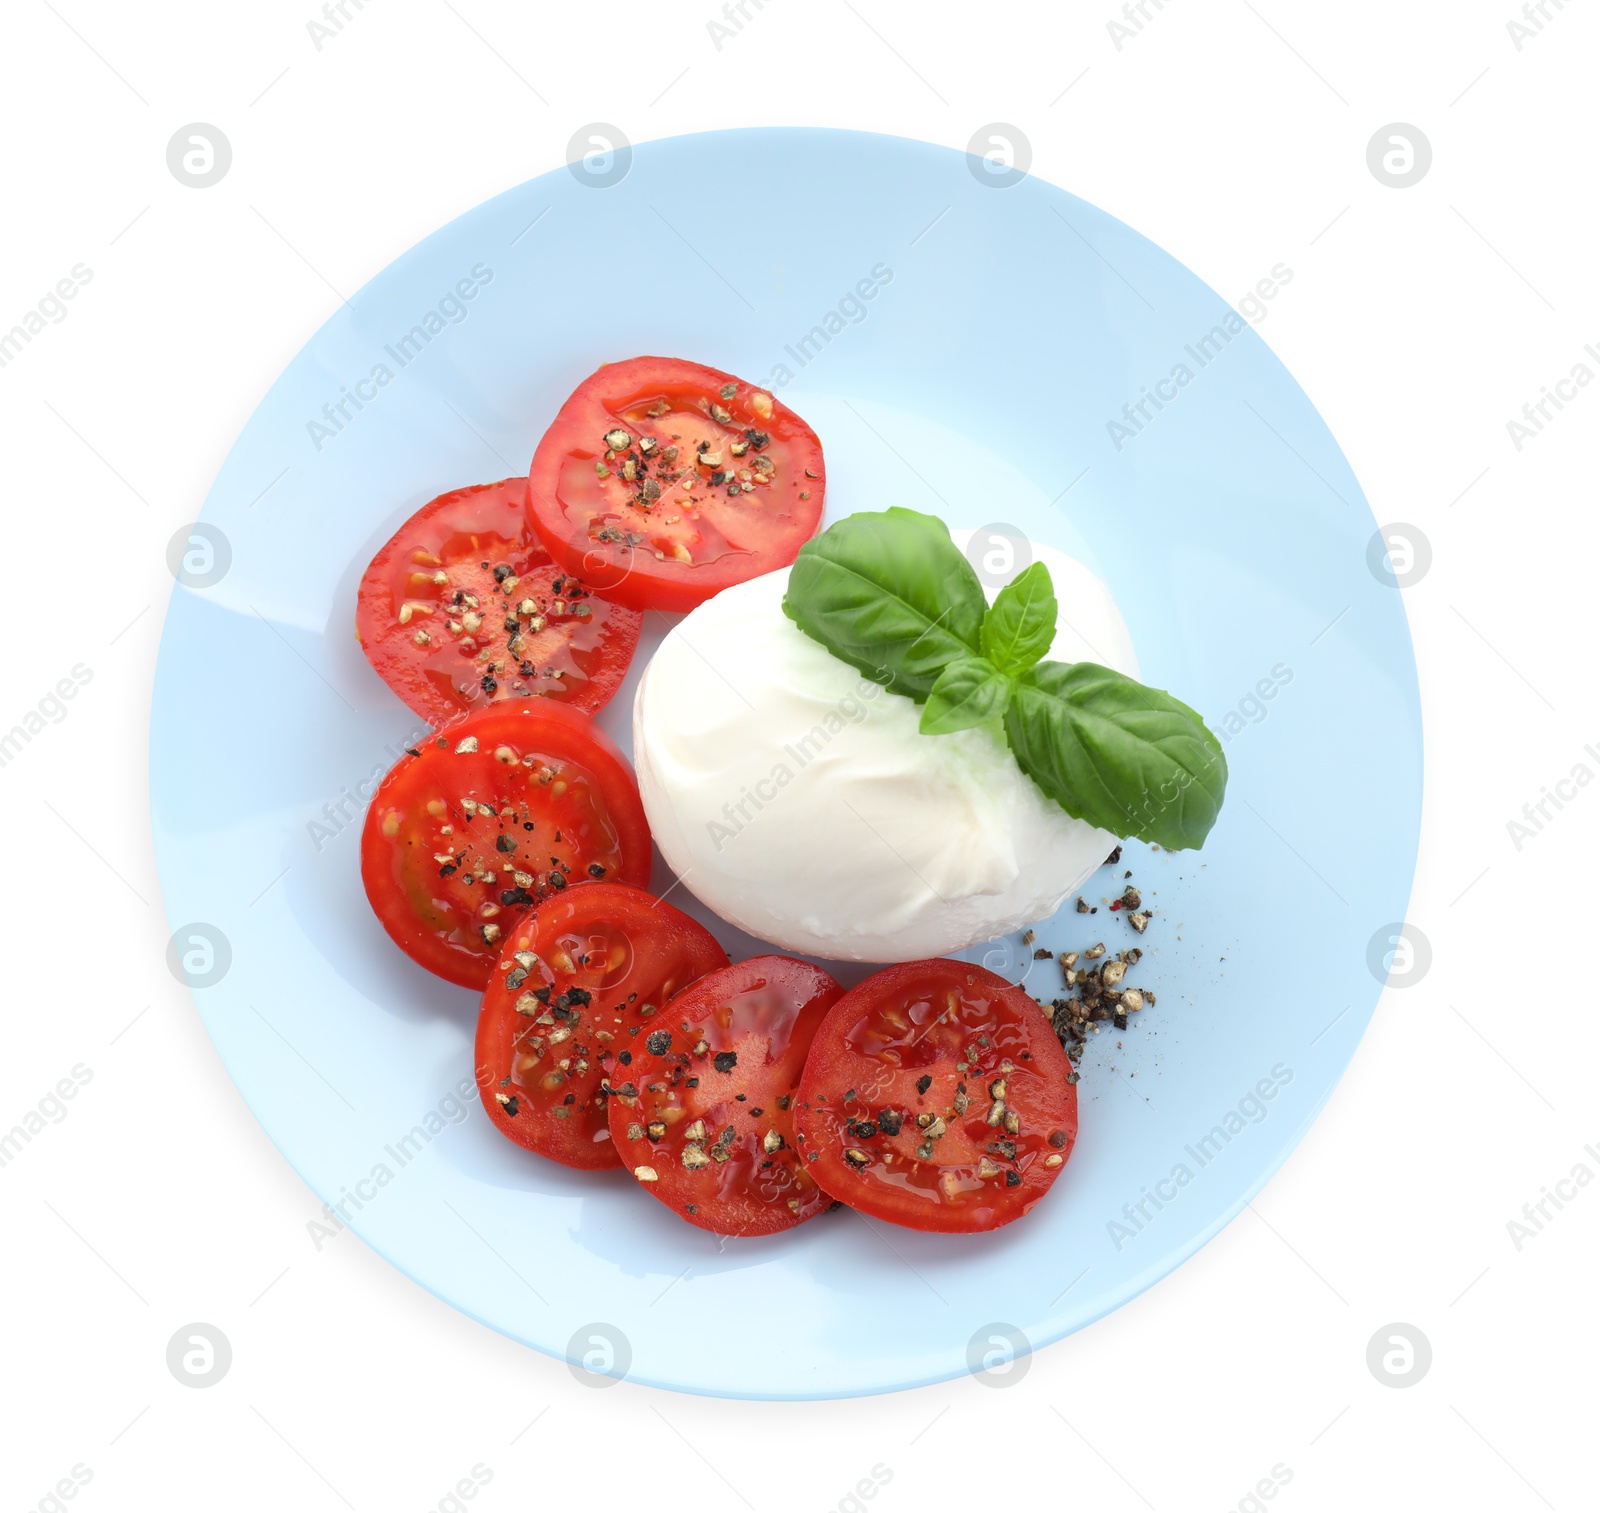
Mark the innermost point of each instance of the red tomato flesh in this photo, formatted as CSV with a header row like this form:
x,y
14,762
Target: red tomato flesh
x,y
564,1019
662,482
494,812
462,607
936,1096
710,1131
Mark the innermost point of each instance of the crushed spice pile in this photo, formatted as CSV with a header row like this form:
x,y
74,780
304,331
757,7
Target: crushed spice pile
x,y
1097,986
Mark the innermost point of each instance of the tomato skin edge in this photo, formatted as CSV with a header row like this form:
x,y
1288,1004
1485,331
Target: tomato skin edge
x,y
698,1005
495,1037
498,510
828,1071
661,586
568,728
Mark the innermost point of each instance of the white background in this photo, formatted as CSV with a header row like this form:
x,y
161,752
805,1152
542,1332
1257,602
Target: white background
x,y
1420,321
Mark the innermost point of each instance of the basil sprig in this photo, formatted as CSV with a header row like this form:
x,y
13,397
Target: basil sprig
x,y
890,594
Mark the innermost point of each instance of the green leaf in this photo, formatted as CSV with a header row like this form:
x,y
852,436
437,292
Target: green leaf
x,y
890,594
968,692
1130,759
1021,623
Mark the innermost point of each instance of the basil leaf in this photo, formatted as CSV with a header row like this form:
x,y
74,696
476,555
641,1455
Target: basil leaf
x,y
1130,759
890,594
968,692
1021,623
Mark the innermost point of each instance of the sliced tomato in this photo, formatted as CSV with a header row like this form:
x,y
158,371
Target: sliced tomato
x,y
565,1015
662,482
937,1096
492,813
710,1131
462,608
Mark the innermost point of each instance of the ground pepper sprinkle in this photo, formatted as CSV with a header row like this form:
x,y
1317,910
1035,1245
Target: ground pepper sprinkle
x,y
1095,980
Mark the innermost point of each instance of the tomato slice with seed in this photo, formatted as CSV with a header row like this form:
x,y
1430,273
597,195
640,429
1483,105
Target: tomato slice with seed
x,y
492,813
462,608
662,482
936,1096
583,979
710,1131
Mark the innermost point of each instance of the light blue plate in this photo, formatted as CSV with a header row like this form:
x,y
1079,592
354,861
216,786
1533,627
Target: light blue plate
x,y
1008,326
